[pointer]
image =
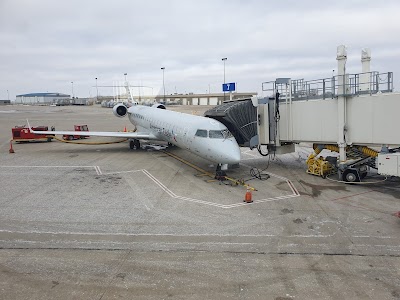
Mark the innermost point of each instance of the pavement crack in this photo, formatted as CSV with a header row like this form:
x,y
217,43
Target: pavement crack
x,y
293,253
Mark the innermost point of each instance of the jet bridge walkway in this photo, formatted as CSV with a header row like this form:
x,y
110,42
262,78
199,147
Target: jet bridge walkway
x,y
240,117
352,113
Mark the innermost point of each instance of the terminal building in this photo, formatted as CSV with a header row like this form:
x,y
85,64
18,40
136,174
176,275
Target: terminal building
x,y
41,98
193,99
5,102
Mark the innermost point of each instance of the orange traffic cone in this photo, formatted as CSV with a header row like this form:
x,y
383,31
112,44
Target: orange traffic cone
x,y
11,148
125,129
247,196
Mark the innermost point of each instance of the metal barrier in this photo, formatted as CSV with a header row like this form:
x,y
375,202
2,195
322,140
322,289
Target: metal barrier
x,y
327,88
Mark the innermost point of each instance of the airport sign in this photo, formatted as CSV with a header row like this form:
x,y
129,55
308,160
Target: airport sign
x,y
229,87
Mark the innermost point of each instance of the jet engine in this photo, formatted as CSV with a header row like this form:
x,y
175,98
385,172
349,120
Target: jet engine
x,y
158,105
120,110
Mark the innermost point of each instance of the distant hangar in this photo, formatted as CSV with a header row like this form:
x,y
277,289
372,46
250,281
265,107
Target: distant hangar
x,y
41,98
5,102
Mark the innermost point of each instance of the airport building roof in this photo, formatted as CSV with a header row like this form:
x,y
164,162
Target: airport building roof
x,y
44,95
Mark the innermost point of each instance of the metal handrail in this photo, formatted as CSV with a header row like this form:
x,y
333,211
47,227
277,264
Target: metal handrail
x,y
327,88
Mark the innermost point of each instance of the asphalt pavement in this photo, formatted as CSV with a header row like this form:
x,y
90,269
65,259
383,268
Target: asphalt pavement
x,y
107,222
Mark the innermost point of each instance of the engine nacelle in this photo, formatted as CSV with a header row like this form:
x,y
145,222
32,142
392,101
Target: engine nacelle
x,y
158,105
120,110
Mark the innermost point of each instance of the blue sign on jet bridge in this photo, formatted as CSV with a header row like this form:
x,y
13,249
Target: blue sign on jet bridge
x,y
228,87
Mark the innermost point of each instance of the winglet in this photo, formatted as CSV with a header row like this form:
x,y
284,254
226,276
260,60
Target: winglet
x,y
29,126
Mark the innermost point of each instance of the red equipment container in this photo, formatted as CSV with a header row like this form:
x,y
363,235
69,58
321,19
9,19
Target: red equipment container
x,y
77,137
23,134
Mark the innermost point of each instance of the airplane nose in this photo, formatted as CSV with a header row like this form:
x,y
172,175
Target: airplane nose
x,y
232,154
235,155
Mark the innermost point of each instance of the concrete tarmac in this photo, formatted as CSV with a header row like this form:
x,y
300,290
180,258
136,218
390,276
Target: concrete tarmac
x,y
107,222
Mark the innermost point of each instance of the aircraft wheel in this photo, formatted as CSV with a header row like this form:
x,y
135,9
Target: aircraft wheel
x,y
137,144
350,176
131,145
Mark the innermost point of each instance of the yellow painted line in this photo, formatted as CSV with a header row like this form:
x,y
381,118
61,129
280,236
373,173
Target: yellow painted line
x,y
29,140
202,171
205,173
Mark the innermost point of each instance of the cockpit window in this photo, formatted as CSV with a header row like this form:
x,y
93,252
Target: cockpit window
x,y
216,134
201,133
220,134
227,134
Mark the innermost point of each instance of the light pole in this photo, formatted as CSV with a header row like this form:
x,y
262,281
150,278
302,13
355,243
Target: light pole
x,y
163,82
72,85
224,60
97,92
127,87
8,95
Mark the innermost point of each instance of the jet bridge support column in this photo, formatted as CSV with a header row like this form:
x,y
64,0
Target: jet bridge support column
x,y
366,65
341,58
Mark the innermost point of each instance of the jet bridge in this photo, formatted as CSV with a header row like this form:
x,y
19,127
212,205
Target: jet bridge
x,y
355,115
239,116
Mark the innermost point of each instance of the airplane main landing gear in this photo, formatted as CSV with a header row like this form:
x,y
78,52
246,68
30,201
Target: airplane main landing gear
x,y
134,144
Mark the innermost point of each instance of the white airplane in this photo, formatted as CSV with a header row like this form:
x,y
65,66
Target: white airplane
x,y
205,137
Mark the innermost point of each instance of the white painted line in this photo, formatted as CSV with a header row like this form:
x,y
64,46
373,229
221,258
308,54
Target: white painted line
x,y
375,237
261,201
195,235
155,180
294,194
47,166
140,234
201,202
173,195
291,185
122,172
98,171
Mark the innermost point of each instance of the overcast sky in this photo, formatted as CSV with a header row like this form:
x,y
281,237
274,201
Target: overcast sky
x,y
46,44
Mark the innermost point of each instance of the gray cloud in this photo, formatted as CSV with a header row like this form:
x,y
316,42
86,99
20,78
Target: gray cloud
x,y
47,44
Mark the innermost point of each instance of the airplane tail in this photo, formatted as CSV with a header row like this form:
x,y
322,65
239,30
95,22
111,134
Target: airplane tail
x,y
129,94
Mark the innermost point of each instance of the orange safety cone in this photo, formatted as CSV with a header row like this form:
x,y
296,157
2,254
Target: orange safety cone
x,y
11,148
247,196
125,129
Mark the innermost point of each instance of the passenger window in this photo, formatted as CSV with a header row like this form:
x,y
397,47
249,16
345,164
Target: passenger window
x,y
201,133
216,134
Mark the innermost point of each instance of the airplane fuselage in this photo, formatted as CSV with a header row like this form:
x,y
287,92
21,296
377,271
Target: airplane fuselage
x,y
203,136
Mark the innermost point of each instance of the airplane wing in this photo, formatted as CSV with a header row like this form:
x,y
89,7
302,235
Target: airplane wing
x,y
133,135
